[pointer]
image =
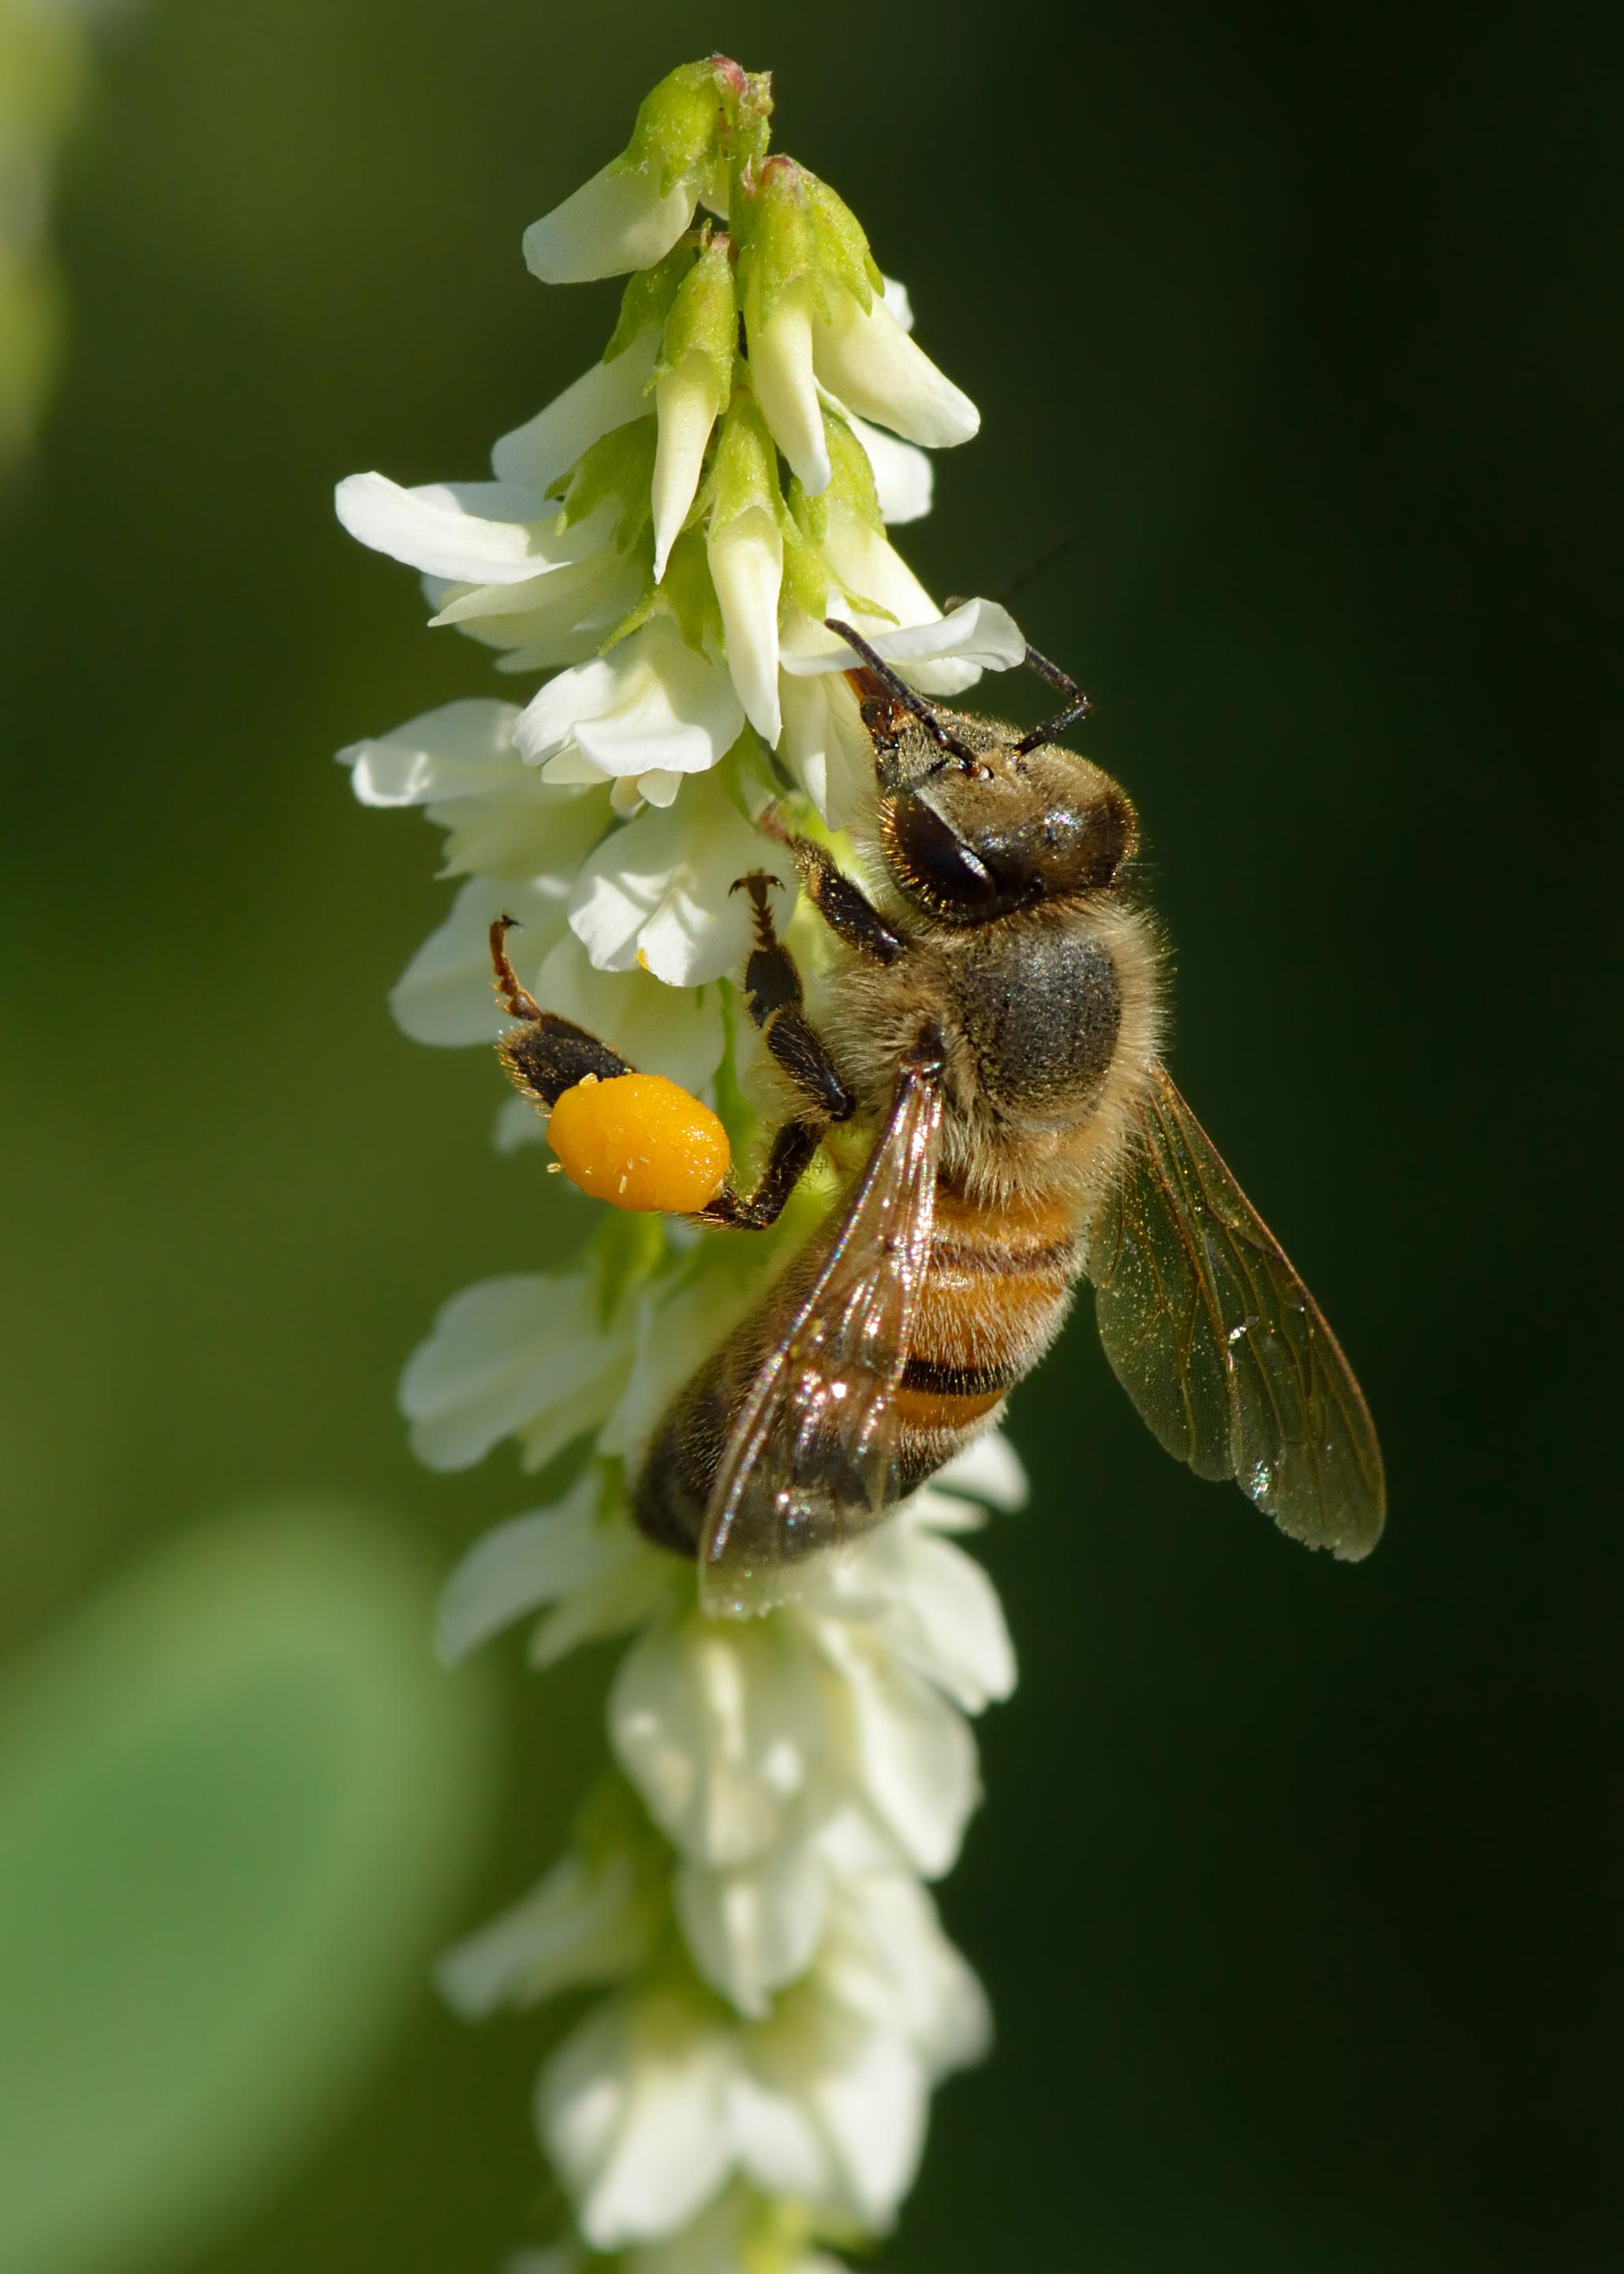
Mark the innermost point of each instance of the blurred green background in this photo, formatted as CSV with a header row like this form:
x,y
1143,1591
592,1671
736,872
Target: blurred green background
x,y
1298,1889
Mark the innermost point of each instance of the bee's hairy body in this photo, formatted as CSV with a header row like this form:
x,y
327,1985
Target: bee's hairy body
x,y
1048,1019
989,1034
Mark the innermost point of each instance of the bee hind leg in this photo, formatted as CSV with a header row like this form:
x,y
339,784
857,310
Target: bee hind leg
x,y
786,1164
547,1055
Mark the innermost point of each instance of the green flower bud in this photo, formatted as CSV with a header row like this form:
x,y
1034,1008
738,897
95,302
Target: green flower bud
x,y
692,383
745,477
703,315
617,469
647,300
674,139
790,225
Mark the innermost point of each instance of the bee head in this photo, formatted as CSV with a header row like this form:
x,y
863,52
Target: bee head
x,y
985,825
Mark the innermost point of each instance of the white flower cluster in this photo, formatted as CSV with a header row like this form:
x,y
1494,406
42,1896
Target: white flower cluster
x,y
666,539
781,1995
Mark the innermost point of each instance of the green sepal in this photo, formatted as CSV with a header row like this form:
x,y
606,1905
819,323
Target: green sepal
x,y
851,478
611,1823
628,1249
703,315
744,477
808,578
703,122
619,465
685,594
650,292
792,226
675,135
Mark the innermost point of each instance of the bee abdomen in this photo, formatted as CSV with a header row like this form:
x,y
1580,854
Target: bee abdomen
x,y
996,1291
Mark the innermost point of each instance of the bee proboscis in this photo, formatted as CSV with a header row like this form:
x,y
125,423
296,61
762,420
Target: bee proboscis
x,y
997,1022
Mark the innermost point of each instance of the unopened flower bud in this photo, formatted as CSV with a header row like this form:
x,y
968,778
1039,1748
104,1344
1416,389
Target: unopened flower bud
x,y
695,377
746,552
631,213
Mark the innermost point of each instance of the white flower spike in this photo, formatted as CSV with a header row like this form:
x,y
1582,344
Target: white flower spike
x,y
745,1894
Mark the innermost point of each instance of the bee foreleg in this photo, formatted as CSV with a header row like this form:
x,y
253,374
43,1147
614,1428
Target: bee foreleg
x,y
843,905
792,1153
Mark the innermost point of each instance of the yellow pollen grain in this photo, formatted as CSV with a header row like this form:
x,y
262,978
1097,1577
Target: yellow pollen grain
x,y
639,1141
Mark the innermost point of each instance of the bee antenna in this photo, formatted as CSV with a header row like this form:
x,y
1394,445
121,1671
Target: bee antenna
x,y
896,686
1077,706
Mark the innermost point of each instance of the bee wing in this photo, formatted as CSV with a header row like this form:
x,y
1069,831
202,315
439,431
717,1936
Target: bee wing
x,y
812,1457
1219,1344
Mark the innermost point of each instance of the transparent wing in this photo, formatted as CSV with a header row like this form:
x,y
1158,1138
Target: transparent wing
x,y
811,1460
1219,1344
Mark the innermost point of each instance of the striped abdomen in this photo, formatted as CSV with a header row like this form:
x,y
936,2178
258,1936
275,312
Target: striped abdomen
x,y
994,1295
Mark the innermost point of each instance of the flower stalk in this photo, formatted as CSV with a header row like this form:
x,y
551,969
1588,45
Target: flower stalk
x,y
746,1892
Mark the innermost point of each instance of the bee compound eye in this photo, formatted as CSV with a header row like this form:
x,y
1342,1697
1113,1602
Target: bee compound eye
x,y
934,861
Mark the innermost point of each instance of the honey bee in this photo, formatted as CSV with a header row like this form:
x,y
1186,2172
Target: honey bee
x,y
996,1018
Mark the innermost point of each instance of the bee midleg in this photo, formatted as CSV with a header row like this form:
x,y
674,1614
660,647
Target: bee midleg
x,y
772,991
548,1055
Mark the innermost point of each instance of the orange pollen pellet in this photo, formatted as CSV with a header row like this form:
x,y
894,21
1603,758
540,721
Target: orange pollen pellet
x,y
639,1141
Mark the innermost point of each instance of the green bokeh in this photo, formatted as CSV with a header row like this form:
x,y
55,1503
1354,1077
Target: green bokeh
x,y
237,1802
1298,1886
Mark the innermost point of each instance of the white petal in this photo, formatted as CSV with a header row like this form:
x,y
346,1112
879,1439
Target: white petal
x,y
686,402
517,1124
548,605
516,1567
528,828
756,1927
930,1603
660,890
475,532
522,1356
444,995
673,1331
782,376
747,568
715,1726
987,1470
894,292
827,745
904,478
653,702
887,1961
872,2106
866,564
627,1592
632,2110
864,2092
910,1749
871,364
720,2242
658,1029
979,633
579,1926
656,786
615,222
593,405
455,751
